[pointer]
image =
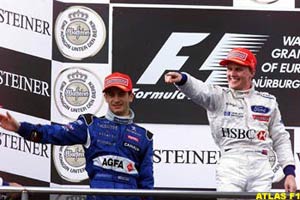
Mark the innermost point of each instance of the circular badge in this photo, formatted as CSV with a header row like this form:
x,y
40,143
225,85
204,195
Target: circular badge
x,y
69,162
265,1
278,172
79,32
70,197
77,91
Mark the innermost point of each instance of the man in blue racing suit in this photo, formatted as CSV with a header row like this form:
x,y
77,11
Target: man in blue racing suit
x,y
118,152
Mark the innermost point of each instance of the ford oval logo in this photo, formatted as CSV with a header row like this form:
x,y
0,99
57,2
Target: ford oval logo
x,y
260,109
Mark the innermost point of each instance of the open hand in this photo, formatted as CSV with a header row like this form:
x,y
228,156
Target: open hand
x,y
8,122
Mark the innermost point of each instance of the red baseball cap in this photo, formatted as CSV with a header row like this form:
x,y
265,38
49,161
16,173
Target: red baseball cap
x,y
116,79
240,56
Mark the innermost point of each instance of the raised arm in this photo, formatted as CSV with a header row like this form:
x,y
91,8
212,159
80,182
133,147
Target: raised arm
x,y
173,77
65,134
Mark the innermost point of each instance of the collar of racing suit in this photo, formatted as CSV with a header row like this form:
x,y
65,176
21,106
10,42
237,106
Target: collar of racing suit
x,y
120,119
242,93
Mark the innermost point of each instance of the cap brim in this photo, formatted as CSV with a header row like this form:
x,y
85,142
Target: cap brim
x,y
125,89
225,62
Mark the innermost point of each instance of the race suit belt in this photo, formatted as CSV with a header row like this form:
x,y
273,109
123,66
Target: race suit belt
x,y
115,178
263,151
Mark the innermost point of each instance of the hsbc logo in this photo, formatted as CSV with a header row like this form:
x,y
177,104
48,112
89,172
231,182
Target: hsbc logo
x,y
237,133
167,58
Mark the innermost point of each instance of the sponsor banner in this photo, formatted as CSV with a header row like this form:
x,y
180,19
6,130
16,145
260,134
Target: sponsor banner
x,y
178,2
26,28
196,46
192,156
77,89
195,154
24,155
25,83
265,4
68,196
80,32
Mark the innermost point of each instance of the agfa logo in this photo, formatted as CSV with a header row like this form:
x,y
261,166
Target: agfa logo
x,y
79,32
116,163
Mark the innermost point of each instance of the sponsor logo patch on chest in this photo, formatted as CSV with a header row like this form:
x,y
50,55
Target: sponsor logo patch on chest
x,y
262,118
131,146
116,163
233,114
130,137
260,109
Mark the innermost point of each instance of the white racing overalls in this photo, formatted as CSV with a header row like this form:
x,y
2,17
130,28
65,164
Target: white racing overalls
x,y
246,125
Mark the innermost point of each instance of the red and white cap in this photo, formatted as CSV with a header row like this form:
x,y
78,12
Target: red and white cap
x,y
241,56
119,80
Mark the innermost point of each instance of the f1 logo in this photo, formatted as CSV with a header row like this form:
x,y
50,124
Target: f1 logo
x,y
167,59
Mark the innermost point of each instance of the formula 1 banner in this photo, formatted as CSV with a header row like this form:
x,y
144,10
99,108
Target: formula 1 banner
x,y
194,41
297,3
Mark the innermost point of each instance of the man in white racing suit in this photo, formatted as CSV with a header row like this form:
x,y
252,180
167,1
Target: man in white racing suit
x,y
245,124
